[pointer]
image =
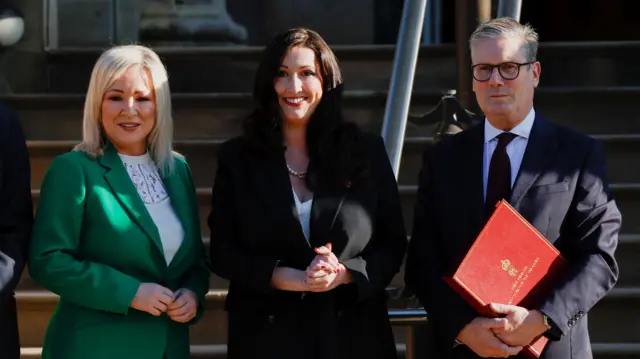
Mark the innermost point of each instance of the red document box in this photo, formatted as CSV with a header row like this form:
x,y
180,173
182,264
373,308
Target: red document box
x,y
509,263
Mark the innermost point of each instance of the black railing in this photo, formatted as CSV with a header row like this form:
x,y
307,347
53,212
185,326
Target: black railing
x,y
409,318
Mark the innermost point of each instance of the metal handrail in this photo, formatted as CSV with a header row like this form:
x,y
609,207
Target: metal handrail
x,y
409,318
510,8
404,66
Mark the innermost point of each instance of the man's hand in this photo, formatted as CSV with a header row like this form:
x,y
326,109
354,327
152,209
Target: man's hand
x,y
523,326
478,336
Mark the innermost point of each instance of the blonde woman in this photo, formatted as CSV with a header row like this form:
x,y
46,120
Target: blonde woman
x,y
117,234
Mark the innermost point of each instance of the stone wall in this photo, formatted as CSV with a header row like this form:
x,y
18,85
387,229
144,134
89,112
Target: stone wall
x,y
22,66
102,23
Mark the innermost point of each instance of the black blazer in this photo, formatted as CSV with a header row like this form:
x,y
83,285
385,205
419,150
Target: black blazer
x,y
254,227
561,189
16,219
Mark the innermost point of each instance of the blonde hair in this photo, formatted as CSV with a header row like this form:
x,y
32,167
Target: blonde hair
x,y
111,65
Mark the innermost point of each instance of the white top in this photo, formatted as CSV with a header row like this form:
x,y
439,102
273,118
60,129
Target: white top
x,y
515,148
304,214
144,174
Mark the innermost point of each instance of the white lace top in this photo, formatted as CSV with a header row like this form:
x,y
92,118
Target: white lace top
x,y
144,174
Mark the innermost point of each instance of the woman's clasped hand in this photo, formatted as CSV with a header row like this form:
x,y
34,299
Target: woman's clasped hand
x,y
325,271
181,306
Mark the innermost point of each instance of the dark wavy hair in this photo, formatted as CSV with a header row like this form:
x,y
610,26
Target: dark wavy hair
x,y
335,148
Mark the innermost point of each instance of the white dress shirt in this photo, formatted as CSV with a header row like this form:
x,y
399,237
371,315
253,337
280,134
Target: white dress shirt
x,y
515,148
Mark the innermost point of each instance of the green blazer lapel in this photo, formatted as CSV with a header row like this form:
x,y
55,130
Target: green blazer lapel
x,y
127,194
179,193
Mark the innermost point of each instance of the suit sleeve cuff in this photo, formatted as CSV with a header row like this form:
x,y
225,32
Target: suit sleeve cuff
x,y
554,333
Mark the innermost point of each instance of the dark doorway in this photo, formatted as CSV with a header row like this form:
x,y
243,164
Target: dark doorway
x,y
555,20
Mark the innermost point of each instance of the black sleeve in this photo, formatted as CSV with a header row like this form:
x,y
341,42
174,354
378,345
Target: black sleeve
x,y
373,271
228,260
426,266
16,211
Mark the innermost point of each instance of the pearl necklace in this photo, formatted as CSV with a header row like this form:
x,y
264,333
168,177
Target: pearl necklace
x,y
300,175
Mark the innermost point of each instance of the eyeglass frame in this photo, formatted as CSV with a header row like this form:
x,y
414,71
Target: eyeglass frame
x,y
493,67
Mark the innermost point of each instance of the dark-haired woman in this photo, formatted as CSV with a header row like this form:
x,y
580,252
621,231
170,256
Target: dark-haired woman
x,y
306,220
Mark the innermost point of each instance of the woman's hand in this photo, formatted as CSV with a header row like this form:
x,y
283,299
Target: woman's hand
x,y
325,272
325,259
185,307
152,298
323,280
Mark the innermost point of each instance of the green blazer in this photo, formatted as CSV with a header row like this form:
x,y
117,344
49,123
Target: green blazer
x,y
94,242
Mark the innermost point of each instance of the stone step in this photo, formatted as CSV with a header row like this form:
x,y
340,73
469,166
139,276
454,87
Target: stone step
x,y
219,351
597,110
613,320
627,256
621,150
365,67
35,308
627,196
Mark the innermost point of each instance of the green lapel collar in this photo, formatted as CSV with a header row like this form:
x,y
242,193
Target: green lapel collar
x,y
127,194
178,190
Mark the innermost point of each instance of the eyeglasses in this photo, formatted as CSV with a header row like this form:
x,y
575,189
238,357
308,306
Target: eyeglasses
x,y
507,70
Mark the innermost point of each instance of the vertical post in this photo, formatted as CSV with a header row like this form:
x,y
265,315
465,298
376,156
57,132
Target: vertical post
x,y
484,10
465,23
427,32
404,66
510,8
437,21
409,341
50,26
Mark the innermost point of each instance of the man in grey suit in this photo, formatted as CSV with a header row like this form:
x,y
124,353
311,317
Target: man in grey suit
x,y
16,219
555,178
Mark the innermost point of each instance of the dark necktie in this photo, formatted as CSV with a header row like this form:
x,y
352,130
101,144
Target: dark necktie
x,y
499,181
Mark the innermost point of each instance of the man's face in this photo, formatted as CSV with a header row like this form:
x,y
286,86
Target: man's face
x,y
508,95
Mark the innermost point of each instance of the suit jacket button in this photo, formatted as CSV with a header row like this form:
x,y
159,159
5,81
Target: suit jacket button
x,y
272,319
340,313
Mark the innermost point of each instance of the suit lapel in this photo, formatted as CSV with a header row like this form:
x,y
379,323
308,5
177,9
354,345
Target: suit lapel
x,y
271,179
273,187
471,176
540,148
327,203
180,201
127,194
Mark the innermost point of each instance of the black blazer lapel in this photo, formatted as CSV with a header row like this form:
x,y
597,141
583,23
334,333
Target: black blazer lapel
x,y
273,187
471,179
327,203
540,148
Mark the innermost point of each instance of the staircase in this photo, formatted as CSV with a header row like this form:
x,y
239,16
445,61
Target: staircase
x,y
584,86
